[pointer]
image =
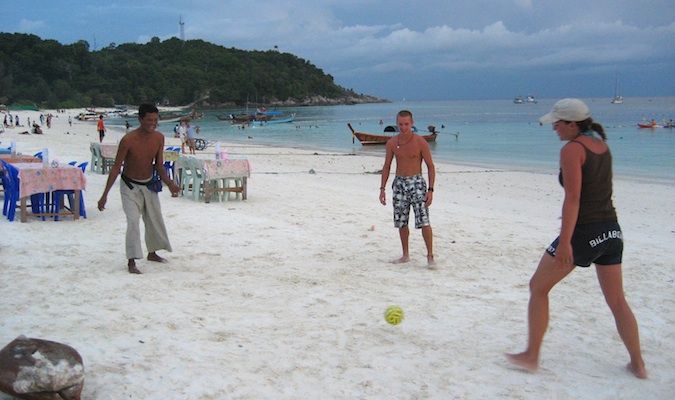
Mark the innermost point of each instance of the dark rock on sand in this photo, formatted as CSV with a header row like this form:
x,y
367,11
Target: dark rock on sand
x,y
36,369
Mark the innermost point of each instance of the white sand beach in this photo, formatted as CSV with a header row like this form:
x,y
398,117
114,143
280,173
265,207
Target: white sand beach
x,y
282,296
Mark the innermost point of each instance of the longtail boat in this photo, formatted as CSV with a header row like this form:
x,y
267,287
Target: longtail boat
x,y
368,138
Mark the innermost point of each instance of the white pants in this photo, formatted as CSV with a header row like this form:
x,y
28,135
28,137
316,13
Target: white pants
x,y
143,202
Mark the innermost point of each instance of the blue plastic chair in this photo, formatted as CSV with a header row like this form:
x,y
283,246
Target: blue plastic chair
x,y
10,181
170,166
59,195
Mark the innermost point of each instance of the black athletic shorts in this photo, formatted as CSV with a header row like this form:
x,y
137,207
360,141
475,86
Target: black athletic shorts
x,y
598,242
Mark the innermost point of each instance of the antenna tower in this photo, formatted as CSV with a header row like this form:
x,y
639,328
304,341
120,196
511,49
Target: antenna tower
x,y
182,28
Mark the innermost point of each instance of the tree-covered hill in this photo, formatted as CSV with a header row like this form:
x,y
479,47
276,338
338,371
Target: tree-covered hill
x,y
172,72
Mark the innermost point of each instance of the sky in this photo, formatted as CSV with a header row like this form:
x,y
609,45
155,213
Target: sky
x,y
415,50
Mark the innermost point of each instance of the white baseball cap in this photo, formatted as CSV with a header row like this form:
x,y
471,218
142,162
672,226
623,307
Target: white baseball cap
x,y
566,110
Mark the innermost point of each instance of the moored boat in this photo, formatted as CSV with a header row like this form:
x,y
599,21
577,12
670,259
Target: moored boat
x,y
88,116
271,121
175,117
243,118
368,138
617,99
529,99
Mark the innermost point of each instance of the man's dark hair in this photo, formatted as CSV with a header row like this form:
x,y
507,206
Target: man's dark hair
x,y
147,109
404,113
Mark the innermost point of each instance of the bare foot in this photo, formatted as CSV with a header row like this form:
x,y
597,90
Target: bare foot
x,y
401,260
639,371
524,361
154,257
431,263
132,267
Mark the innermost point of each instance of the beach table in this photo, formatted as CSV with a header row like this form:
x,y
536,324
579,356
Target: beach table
x,y
8,158
236,168
35,178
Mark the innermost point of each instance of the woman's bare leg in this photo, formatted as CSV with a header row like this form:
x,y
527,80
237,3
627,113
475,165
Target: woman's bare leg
x,y
611,282
544,279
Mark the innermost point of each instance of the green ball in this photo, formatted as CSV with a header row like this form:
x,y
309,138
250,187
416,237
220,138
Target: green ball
x,y
394,315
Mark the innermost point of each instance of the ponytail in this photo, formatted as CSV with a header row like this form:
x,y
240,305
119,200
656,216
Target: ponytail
x,y
590,125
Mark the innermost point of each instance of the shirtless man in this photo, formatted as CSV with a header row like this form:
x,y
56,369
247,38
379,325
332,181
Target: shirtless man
x,y
409,187
141,151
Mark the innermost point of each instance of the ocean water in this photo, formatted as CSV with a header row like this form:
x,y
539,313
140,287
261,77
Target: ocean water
x,y
492,133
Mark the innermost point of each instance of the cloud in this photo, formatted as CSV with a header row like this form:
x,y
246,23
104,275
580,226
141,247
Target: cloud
x,y
30,26
526,4
494,46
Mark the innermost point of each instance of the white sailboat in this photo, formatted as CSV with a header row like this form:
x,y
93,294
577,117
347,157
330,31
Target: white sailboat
x,y
617,99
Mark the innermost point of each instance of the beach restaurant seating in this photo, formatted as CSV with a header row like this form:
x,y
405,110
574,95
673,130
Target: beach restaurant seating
x,y
99,163
197,177
171,157
185,176
96,159
58,198
10,181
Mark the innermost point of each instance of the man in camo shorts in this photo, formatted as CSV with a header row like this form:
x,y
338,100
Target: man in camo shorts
x,y
409,187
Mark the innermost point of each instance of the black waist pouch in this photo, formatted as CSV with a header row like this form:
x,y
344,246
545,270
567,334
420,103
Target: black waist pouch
x,y
154,184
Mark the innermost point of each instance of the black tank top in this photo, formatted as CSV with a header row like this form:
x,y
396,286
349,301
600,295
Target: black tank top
x,y
595,204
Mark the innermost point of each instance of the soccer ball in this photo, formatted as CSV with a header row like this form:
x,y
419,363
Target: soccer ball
x,y
394,315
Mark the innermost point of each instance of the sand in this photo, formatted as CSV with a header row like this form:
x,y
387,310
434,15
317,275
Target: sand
x,y
282,296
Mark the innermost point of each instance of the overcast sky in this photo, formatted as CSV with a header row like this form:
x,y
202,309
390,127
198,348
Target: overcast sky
x,y
418,50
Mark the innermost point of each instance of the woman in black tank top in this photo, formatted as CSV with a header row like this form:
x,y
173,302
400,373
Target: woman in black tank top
x,y
589,232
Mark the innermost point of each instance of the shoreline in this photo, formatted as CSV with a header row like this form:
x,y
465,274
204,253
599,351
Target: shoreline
x,y
170,141
88,129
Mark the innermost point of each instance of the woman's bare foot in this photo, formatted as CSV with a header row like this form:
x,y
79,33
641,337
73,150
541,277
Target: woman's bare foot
x,y
132,267
154,257
401,260
638,370
523,360
431,263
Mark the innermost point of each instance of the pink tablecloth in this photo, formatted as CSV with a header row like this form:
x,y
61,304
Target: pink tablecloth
x,y
37,179
226,168
108,150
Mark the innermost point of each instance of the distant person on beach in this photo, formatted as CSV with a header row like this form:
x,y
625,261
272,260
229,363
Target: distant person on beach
x,y
589,233
140,152
127,125
182,131
70,120
101,128
409,187
36,129
190,133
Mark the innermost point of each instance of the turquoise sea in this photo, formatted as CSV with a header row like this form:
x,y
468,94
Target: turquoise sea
x,y
492,133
